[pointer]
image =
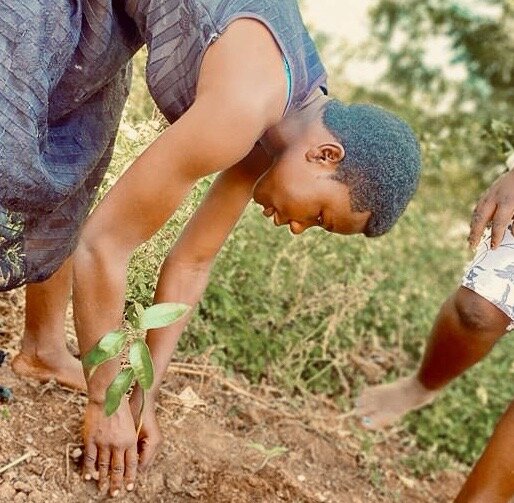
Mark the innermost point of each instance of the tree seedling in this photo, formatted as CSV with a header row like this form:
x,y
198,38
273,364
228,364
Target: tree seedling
x,y
131,341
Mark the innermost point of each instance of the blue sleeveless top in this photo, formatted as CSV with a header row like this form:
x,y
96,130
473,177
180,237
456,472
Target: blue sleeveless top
x,y
178,32
63,85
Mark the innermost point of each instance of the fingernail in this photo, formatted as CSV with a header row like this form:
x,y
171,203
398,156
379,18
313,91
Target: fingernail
x,y
115,493
367,421
87,476
130,487
96,475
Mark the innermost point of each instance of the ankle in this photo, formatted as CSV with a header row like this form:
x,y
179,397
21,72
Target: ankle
x,y
420,388
43,353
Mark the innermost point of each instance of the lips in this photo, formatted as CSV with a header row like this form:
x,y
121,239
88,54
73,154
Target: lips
x,y
268,212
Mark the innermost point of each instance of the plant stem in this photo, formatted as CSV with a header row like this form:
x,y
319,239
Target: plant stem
x,y
140,425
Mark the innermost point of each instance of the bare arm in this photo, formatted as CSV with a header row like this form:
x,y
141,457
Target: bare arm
x,y
184,274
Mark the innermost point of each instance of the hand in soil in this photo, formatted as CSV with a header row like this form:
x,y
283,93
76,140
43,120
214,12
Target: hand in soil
x,y
150,436
110,446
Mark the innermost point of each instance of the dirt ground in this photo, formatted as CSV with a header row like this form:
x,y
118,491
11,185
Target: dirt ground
x,y
225,441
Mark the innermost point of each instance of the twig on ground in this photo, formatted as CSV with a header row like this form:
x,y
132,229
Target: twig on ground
x,y
16,461
68,445
188,371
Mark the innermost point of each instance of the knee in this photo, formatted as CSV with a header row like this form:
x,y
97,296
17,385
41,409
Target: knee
x,y
477,314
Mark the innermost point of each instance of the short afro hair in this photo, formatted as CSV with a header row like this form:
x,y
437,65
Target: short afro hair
x,y
382,163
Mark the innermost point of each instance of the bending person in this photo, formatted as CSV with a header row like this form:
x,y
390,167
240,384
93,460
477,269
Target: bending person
x,y
244,91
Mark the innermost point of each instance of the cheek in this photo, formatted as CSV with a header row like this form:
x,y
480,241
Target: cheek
x,y
275,184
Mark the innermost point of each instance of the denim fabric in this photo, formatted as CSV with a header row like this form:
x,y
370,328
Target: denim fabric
x,y
63,84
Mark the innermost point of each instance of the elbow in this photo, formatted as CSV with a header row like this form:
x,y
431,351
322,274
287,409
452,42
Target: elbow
x,y
98,257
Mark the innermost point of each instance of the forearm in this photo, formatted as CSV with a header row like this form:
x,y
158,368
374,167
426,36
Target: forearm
x,y
134,209
98,302
178,282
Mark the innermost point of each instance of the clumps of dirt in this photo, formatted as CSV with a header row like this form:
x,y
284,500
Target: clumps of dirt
x,y
225,441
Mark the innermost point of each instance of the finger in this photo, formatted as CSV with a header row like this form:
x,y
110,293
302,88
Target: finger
x,y
130,467
104,463
89,467
117,471
501,221
147,452
481,216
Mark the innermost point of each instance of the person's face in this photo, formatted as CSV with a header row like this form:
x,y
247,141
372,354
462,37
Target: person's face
x,y
298,191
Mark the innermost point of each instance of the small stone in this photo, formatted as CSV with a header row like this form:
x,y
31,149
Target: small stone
x,y
76,453
36,497
29,439
174,482
301,478
7,491
20,498
22,486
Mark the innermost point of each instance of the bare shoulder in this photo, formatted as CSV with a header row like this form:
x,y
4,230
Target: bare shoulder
x,y
245,67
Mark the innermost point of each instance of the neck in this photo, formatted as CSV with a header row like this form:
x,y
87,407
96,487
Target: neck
x,y
292,127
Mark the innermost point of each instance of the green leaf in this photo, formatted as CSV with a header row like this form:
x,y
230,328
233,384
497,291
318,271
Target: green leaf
x,y
132,316
116,391
141,363
113,342
107,348
162,315
139,309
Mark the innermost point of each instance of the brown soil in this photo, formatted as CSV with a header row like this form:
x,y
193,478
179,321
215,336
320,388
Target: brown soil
x,y
225,441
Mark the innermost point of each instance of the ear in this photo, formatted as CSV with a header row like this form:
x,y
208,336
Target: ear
x,y
329,154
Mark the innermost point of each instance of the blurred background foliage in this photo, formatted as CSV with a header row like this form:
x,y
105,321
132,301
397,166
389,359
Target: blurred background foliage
x,y
326,314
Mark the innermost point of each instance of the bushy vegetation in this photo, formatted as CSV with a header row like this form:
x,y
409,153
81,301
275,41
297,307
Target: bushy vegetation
x,y
299,312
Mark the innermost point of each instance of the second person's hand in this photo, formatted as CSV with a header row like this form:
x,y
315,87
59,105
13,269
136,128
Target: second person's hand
x,y
496,207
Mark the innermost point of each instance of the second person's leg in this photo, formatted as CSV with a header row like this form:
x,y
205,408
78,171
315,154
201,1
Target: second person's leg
x,y
491,479
44,355
465,330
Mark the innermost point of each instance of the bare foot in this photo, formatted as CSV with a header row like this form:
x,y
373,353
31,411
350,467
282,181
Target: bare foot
x,y
381,406
64,368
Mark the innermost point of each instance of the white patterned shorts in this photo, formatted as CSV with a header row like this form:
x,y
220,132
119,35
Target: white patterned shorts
x,y
491,273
